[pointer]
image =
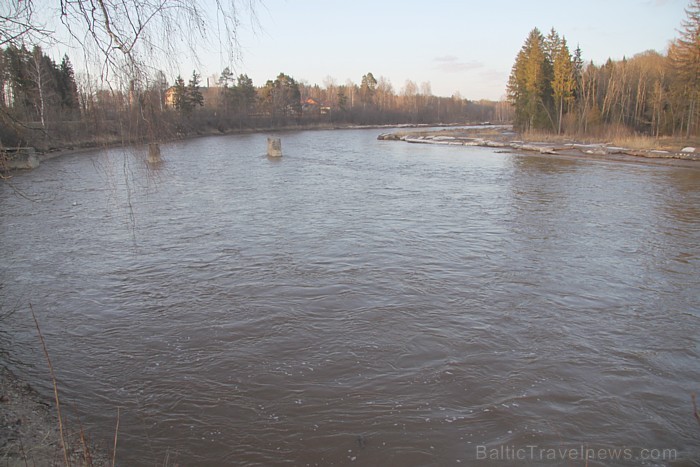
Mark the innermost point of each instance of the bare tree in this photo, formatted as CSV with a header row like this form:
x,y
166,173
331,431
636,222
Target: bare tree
x,y
38,76
685,55
17,22
127,34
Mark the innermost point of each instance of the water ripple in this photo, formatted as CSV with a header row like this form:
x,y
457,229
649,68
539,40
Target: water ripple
x,y
358,301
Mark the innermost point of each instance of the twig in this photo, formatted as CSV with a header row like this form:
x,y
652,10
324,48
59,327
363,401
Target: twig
x,y
87,457
116,433
86,449
55,388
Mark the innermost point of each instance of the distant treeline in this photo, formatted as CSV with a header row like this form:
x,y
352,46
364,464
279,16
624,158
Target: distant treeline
x,y
44,104
653,94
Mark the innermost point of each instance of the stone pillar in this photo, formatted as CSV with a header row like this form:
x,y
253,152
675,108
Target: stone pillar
x,y
19,158
154,153
274,147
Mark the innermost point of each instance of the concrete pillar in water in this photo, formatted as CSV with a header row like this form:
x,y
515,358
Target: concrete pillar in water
x,y
154,153
274,147
18,158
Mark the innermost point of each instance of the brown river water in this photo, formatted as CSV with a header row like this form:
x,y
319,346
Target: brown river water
x,y
360,302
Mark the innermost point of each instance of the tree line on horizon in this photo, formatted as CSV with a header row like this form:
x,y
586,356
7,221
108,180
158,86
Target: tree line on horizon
x,y
44,104
550,89
654,94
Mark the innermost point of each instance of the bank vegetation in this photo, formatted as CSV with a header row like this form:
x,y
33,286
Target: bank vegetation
x,y
652,94
47,105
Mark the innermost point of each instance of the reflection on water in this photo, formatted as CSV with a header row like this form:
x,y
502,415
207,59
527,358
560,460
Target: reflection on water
x,y
359,300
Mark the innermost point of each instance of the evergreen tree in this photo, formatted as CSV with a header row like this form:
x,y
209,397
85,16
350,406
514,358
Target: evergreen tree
x,y
180,100
194,95
226,78
552,44
529,86
67,87
563,81
342,99
368,88
577,63
228,94
17,63
282,96
245,94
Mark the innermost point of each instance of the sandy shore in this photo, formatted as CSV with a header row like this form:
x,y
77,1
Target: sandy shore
x,y
504,139
29,433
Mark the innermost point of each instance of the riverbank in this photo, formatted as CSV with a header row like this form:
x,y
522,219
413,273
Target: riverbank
x,y
8,164
506,140
29,433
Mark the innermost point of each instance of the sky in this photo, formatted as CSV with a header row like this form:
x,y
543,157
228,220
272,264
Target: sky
x,y
465,47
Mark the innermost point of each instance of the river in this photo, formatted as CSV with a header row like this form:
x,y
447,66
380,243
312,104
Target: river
x,y
359,302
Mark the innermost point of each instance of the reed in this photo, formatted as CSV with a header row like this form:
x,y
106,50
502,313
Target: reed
x,y
116,432
55,388
69,440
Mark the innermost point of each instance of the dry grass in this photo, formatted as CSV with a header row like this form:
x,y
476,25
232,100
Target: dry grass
x,y
611,136
616,136
55,388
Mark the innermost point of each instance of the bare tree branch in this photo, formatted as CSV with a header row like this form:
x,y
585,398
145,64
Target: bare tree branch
x,y
129,35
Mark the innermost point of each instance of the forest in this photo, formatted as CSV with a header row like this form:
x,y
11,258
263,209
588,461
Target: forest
x,y
47,104
652,94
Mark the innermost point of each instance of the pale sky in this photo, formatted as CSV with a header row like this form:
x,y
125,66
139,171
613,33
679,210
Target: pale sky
x,y
458,46
465,46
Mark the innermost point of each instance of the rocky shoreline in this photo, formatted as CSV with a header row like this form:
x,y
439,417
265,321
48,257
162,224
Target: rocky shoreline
x,y
501,137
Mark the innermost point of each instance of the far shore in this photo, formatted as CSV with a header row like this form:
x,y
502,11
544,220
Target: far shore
x,y
500,137
504,139
58,150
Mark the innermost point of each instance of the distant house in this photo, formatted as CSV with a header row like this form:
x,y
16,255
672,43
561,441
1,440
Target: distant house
x,y
170,97
313,106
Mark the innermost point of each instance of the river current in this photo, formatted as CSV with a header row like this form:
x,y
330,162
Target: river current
x,y
359,302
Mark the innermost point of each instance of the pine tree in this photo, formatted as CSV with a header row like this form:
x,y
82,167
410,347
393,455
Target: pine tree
x,y
287,97
67,87
17,64
245,93
529,86
194,95
563,81
228,94
368,87
552,44
180,100
342,99
226,78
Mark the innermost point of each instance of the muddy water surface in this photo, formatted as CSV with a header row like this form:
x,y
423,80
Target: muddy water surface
x,y
360,302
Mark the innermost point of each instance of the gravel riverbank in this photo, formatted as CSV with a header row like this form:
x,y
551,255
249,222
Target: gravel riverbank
x,y
505,140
